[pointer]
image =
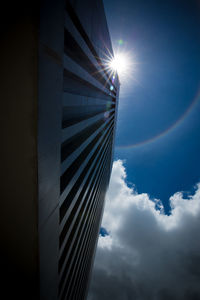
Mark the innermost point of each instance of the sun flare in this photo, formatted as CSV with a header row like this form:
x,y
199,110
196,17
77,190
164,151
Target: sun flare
x,y
119,63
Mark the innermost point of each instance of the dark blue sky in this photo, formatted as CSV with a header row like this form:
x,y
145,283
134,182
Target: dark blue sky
x,y
164,38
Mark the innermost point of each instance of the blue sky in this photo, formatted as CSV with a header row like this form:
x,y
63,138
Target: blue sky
x,y
149,245
164,39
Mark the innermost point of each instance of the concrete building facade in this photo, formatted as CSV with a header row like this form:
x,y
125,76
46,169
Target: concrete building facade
x,y
58,120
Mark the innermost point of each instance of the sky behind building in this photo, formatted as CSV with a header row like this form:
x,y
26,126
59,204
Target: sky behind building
x,y
158,119
149,242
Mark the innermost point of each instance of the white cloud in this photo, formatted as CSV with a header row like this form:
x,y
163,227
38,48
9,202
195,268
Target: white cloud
x,y
147,254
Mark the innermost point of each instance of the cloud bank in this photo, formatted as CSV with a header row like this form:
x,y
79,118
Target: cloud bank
x,y
146,254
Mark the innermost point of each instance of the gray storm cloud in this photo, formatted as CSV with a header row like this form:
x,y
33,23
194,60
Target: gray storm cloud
x,y
147,254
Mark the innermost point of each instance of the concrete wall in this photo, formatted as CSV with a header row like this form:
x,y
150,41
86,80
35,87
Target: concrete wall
x,y
45,81
18,93
50,91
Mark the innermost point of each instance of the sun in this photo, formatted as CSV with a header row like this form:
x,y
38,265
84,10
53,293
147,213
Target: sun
x,y
119,64
123,64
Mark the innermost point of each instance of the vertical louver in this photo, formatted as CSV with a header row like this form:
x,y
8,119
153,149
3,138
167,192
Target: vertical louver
x,y
88,122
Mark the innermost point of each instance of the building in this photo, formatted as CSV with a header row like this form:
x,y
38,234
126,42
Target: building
x,y
59,118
